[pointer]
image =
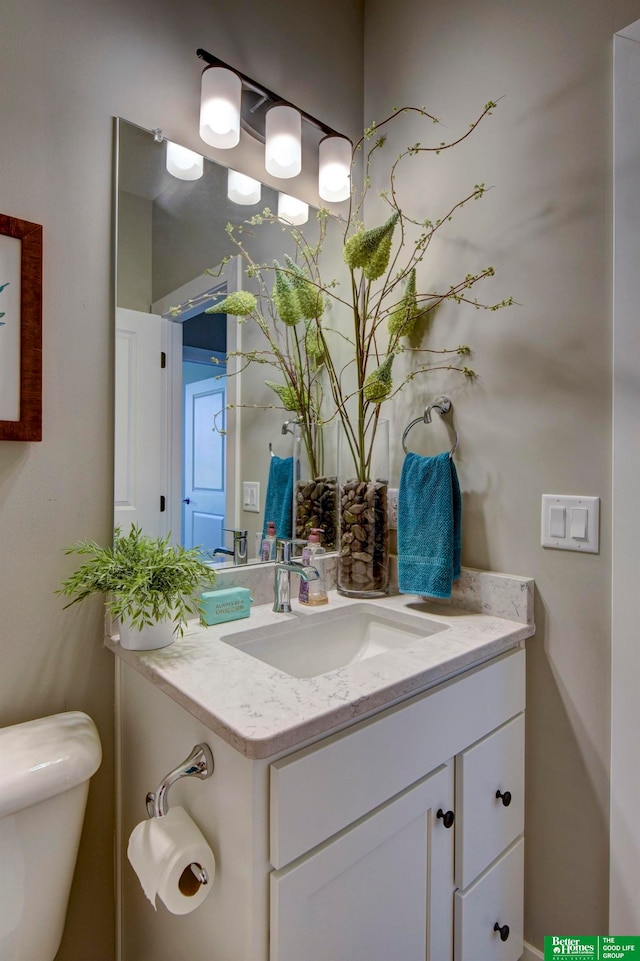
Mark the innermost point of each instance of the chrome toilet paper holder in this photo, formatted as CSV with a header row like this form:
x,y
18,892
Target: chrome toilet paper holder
x,y
199,764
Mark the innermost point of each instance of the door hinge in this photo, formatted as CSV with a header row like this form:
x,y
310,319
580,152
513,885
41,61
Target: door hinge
x,y
163,505
163,360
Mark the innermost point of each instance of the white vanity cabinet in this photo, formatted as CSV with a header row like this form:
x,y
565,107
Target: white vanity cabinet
x,y
344,850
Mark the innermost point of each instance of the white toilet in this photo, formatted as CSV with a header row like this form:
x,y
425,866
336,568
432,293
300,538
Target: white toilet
x,y
45,766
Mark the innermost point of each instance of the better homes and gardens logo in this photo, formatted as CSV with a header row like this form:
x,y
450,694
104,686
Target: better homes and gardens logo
x,y
592,949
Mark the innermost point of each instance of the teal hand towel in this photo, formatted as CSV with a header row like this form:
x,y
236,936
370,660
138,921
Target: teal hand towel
x,y
429,525
278,505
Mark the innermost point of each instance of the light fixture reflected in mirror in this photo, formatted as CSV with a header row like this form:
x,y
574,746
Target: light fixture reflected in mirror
x,y
283,142
292,211
334,175
221,94
183,163
242,189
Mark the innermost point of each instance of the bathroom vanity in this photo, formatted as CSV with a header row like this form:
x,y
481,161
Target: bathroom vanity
x,y
373,812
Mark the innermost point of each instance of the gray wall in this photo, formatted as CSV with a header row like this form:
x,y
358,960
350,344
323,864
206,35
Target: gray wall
x,y
539,417
66,70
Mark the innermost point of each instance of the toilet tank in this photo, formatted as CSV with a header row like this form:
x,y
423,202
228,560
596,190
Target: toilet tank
x,y
45,766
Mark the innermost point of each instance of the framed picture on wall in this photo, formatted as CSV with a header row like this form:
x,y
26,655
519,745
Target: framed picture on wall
x,y
20,329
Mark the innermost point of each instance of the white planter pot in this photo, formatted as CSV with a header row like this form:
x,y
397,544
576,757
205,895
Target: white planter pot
x,y
151,638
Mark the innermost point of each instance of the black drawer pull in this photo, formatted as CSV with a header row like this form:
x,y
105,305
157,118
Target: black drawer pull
x,y
506,797
448,817
504,930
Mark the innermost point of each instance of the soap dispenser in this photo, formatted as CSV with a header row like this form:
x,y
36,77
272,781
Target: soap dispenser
x,y
268,550
313,592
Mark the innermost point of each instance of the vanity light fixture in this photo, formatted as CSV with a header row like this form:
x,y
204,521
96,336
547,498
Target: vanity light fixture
x,y
242,189
220,101
183,163
283,142
231,100
334,176
292,211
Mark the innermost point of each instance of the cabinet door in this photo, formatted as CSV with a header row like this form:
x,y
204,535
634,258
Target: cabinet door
x,y
379,890
489,914
487,825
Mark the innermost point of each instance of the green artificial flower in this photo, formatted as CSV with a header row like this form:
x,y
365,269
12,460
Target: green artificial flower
x,y
285,298
286,393
240,304
313,345
370,250
309,296
403,320
379,259
378,384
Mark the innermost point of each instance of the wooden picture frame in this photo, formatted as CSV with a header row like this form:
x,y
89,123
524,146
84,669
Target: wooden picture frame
x,y
20,329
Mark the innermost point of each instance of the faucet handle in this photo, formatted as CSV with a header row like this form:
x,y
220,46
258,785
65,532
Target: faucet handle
x,y
283,549
237,534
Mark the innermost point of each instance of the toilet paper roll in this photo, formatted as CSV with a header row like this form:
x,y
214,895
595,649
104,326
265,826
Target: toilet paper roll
x,y
161,852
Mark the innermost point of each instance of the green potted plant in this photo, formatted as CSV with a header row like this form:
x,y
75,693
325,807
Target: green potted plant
x,y
150,585
343,349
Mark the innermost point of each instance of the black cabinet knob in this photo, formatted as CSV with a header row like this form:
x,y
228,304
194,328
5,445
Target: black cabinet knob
x,y
448,817
506,797
504,930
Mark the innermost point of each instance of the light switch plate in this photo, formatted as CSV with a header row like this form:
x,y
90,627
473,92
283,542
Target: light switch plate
x,y
251,496
574,510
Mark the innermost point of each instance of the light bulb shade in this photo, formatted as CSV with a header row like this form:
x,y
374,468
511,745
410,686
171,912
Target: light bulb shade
x,y
283,142
183,163
220,101
242,189
334,175
292,211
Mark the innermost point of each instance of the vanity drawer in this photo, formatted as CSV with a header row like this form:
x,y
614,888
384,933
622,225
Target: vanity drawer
x,y
496,898
319,790
486,825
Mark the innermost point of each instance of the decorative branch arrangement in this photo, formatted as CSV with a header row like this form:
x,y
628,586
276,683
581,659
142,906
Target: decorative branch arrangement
x,y
331,369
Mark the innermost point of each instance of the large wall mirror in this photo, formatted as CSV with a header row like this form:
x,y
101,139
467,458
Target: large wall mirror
x,y
194,423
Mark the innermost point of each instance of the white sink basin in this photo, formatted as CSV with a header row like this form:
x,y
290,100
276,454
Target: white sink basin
x,y
327,640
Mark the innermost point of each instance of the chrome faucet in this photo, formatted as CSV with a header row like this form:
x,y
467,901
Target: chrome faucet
x,y
283,571
239,552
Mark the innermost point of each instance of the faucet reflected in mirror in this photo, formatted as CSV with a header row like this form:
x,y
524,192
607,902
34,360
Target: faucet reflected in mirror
x,y
239,552
193,420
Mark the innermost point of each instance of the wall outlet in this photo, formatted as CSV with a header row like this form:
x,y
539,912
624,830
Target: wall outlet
x,y
571,523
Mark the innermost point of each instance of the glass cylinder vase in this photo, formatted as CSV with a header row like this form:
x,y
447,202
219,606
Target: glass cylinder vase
x,y
315,485
363,557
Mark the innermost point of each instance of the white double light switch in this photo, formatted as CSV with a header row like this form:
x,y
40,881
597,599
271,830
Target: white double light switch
x,y
251,496
571,523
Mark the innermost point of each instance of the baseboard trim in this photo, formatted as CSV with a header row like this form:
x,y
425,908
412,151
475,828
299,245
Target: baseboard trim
x,y
531,954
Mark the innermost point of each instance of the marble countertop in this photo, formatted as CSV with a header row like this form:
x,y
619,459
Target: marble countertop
x,y
261,711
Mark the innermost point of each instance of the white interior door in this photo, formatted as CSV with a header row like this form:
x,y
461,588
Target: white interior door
x,y
140,422
204,464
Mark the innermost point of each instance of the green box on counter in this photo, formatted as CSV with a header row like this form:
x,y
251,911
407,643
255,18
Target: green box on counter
x,y
228,604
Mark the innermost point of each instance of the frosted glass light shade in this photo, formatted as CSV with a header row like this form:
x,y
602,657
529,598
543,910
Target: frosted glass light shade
x,y
334,176
183,163
283,142
242,189
291,210
220,99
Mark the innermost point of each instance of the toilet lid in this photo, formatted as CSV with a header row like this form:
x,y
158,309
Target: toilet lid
x,y
45,757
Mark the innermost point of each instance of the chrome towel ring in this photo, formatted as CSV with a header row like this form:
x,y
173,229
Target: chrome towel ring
x,y
441,404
